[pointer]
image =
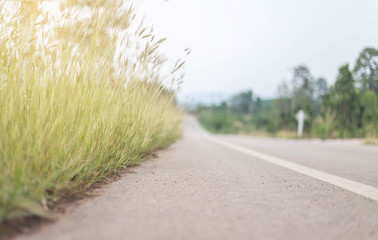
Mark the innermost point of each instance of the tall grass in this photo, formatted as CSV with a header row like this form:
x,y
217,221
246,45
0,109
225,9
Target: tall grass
x,y
79,98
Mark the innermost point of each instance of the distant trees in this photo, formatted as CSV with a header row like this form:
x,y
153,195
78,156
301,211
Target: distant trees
x,y
302,89
241,113
283,105
353,98
321,87
369,102
366,70
257,106
242,103
349,108
366,73
343,100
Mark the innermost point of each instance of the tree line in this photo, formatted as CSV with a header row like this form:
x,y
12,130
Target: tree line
x,y
348,108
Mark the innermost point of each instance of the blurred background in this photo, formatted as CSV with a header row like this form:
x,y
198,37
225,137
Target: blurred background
x,y
254,64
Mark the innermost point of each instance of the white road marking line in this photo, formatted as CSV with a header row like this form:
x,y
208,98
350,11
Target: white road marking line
x,y
349,185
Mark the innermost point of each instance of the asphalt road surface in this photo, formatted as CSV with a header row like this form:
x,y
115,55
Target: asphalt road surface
x,y
235,187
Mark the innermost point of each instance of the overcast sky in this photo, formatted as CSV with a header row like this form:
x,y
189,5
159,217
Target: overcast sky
x,y
253,44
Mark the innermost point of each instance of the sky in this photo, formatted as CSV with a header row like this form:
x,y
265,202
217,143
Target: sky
x,y
254,44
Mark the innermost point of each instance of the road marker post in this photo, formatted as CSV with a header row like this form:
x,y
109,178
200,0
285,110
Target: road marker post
x,y
300,116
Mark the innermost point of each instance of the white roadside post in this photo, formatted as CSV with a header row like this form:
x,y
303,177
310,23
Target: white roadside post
x,y
300,116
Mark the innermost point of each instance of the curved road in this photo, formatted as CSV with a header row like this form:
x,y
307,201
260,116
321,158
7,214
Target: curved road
x,y
234,187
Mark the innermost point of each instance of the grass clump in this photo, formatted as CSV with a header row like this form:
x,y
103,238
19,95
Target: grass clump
x,y
81,95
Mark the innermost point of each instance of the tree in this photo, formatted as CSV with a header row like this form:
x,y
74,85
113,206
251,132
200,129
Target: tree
x,y
303,89
321,89
242,103
283,104
369,102
366,70
257,106
345,101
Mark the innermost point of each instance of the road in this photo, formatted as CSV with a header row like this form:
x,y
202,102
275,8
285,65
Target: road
x,y
235,187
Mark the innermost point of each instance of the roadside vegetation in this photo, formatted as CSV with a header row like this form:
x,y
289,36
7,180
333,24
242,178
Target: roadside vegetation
x,y
347,109
81,96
